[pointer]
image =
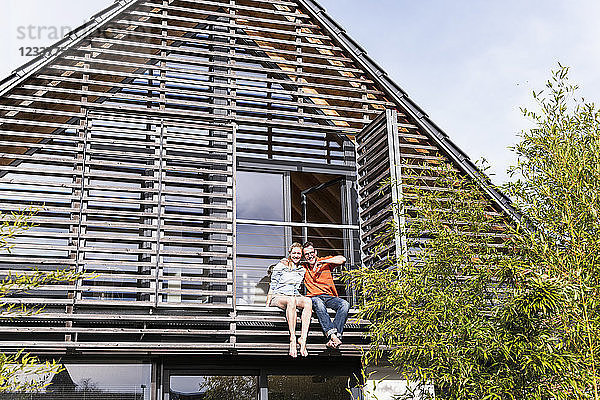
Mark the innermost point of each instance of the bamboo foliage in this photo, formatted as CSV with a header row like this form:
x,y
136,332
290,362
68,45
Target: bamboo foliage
x,y
491,308
15,368
460,312
556,181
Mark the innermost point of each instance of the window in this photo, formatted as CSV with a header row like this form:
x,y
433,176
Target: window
x,y
275,209
283,381
317,199
91,382
308,387
213,387
260,197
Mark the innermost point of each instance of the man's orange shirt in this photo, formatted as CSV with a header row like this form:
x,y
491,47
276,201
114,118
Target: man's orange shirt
x,y
319,280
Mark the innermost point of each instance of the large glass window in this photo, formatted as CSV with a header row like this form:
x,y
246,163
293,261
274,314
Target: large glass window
x,y
322,193
260,197
317,199
244,385
276,209
308,387
206,387
91,382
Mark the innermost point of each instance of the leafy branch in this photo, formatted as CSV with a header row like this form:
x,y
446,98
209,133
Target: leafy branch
x,y
21,371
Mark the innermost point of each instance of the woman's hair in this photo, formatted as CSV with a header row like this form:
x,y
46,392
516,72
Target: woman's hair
x,y
293,246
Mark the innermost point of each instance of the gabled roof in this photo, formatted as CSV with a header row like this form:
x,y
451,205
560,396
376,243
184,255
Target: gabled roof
x,y
316,11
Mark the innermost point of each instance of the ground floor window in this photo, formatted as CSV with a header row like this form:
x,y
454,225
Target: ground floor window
x,y
261,379
246,387
79,381
308,387
199,377
213,387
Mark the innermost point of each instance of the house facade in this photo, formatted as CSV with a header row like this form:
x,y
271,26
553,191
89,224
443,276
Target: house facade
x,y
174,149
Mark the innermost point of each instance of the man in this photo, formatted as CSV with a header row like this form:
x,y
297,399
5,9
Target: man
x,y
321,289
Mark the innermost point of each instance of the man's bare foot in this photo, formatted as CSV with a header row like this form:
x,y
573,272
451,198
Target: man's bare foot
x,y
303,350
293,349
335,341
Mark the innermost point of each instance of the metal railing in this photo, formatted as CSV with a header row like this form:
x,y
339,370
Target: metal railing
x,y
261,244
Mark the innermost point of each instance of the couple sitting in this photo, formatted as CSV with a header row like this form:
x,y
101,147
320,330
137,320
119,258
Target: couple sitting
x,y
286,280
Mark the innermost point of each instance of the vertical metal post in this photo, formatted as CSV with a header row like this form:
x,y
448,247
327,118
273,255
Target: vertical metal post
x,y
304,217
263,386
348,217
287,208
346,197
348,238
358,201
164,382
155,381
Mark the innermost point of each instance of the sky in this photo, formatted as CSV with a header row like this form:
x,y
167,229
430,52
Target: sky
x,y
469,64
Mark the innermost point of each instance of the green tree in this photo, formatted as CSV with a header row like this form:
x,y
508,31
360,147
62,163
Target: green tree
x,y
22,371
557,188
487,307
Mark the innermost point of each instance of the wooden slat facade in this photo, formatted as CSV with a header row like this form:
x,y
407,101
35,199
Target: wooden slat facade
x,y
383,225
128,140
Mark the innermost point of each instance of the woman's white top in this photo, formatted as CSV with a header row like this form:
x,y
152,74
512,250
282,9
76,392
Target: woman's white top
x,y
286,280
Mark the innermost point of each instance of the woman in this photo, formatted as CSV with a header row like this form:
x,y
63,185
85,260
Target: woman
x,y
284,293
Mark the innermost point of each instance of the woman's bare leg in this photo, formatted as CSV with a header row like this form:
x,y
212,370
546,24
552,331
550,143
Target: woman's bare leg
x,y
288,304
306,304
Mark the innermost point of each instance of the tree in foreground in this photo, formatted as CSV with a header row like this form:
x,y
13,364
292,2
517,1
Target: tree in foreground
x,y
21,371
557,189
486,307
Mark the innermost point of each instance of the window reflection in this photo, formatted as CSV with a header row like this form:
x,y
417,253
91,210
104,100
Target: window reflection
x,y
308,387
184,387
91,382
258,248
254,279
260,239
259,196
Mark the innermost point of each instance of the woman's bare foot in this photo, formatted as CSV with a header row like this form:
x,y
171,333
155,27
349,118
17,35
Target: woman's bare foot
x,y
293,349
303,350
